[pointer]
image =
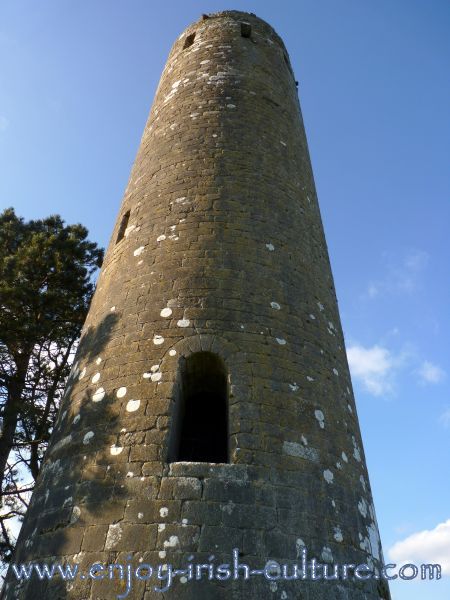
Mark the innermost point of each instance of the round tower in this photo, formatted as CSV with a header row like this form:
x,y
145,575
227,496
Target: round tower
x,y
210,405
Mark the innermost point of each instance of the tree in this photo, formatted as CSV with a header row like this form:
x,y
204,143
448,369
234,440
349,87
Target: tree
x,y
46,270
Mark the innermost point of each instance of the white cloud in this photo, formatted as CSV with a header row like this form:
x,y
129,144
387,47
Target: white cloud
x,y
445,418
376,368
416,260
430,373
372,366
400,277
4,123
428,546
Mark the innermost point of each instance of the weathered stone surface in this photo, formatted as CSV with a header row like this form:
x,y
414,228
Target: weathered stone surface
x,y
218,248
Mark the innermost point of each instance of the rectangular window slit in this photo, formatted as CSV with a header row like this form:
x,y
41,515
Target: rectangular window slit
x,y
189,41
246,30
123,226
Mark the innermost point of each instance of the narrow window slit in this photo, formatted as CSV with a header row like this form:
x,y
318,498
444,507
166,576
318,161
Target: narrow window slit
x,y
200,420
189,41
123,226
246,30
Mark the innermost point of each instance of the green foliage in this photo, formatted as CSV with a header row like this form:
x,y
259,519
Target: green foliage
x,y
45,283
46,270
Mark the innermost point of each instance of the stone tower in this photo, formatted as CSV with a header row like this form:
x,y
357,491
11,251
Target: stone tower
x,y
210,406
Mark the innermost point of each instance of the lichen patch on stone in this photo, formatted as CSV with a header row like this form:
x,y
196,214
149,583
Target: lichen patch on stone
x,y
362,507
172,542
328,476
327,555
133,405
300,451
338,534
88,437
183,323
114,536
320,418
98,395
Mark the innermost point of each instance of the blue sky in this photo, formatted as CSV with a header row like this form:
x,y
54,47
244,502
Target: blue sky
x,y
76,83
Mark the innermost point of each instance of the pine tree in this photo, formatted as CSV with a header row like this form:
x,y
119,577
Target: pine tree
x,y
46,270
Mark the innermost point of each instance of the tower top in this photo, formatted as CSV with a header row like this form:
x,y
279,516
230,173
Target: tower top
x,y
257,26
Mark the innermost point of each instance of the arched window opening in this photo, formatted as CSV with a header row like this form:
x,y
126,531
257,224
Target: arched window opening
x,y
200,432
123,226
189,41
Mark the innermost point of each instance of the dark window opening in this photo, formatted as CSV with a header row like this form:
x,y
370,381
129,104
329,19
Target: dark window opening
x,y
123,226
246,30
189,41
200,432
